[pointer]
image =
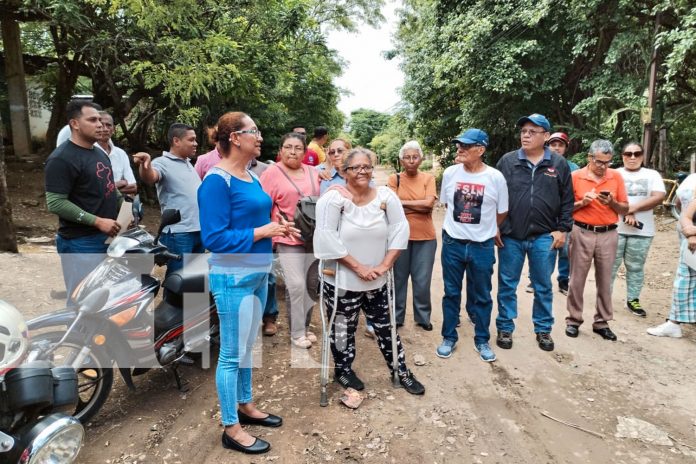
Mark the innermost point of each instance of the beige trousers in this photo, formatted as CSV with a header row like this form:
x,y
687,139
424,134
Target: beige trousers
x,y
585,247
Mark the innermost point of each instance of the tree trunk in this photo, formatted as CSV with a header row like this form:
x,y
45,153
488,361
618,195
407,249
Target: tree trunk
x,y
68,71
8,238
16,88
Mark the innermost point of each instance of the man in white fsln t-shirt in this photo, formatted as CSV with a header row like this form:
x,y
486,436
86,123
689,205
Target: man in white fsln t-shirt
x,y
645,189
476,196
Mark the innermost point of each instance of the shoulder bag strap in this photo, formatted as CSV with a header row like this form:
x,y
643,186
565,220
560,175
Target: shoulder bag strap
x,y
288,178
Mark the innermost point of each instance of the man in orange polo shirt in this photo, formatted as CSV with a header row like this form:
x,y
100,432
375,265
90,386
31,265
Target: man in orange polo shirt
x,y
600,196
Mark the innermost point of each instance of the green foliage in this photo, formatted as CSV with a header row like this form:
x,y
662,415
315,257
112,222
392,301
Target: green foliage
x,y
389,141
365,124
156,61
582,63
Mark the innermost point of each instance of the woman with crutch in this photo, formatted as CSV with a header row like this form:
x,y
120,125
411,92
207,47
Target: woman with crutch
x,y
359,239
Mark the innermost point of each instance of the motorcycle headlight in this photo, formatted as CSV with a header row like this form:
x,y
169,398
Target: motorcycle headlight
x,y
120,245
55,439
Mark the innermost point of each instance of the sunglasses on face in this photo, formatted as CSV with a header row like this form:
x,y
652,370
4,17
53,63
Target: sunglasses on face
x,y
337,151
633,154
465,146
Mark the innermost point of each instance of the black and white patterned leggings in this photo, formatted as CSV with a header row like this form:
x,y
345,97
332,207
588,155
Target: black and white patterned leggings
x,y
375,304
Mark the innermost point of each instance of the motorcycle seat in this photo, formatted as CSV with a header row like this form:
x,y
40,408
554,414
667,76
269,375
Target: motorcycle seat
x,y
190,279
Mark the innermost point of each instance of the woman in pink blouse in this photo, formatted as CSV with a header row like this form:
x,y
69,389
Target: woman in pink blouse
x,y
286,182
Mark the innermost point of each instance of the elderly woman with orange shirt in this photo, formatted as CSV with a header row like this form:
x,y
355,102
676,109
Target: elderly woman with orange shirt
x,y
417,193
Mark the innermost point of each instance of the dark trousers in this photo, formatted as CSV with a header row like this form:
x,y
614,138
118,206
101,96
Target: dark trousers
x,y
417,262
78,257
342,336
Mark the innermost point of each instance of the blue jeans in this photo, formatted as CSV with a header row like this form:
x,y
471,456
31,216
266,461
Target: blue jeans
x,y
541,263
78,257
240,297
476,259
563,262
270,310
181,243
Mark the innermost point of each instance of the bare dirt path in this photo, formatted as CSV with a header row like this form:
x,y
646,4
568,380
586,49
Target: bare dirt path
x,y
471,412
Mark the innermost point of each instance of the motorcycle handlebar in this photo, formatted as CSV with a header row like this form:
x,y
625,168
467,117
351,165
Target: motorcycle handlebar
x,y
170,256
165,256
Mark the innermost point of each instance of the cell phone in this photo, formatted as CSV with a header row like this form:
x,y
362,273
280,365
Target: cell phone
x,y
604,193
638,224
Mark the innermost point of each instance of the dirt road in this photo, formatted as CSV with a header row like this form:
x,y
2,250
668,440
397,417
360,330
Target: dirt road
x,y
471,412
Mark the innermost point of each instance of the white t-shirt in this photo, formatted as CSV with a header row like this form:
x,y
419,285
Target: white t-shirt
x,y
364,232
63,135
120,164
473,202
639,185
685,191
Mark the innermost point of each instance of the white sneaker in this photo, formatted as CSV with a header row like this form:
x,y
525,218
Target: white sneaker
x,y
301,342
668,329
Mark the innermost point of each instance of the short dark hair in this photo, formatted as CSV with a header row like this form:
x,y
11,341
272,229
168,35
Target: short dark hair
x,y
297,126
177,131
320,131
73,109
293,135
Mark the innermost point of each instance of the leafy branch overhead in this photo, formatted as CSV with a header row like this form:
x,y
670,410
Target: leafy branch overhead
x,y
155,61
483,63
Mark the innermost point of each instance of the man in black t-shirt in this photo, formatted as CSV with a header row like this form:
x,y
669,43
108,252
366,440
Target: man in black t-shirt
x,y
80,189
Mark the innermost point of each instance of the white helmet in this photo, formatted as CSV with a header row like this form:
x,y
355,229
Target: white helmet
x,y
14,337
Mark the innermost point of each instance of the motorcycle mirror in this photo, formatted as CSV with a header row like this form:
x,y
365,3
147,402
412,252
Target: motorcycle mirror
x,y
169,217
94,301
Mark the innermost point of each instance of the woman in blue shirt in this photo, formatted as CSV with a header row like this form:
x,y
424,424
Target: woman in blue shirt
x,y
235,226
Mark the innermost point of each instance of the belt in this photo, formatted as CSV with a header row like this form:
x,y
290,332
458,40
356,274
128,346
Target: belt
x,y
599,229
461,241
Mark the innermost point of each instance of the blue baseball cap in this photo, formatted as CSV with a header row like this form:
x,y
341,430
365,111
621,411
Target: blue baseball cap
x,y
473,137
536,119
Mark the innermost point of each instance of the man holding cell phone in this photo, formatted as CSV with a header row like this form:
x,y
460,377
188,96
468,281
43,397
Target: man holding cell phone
x,y
600,196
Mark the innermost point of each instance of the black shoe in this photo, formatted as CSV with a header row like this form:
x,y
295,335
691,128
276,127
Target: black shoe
x,y
349,380
427,326
605,333
399,325
258,447
269,421
504,340
409,382
635,307
563,287
545,341
572,331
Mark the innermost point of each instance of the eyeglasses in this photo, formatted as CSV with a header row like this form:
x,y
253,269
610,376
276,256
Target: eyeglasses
x,y
255,132
411,158
633,154
465,146
524,132
296,149
337,151
359,169
601,164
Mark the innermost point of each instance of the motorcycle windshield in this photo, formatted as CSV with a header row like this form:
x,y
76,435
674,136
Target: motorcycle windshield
x,y
112,274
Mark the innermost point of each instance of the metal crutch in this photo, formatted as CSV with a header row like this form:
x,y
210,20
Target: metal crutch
x,y
326,331
391,302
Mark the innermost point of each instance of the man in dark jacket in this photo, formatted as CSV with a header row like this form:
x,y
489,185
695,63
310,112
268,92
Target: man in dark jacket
x,y
540,216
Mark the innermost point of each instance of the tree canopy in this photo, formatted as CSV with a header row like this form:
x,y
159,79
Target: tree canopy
x,y
153,61
582,63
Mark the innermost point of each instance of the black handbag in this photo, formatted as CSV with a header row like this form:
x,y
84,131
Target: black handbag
x,y
305,217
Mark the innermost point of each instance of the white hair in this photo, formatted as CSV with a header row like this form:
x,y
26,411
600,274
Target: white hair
x,y
411,145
